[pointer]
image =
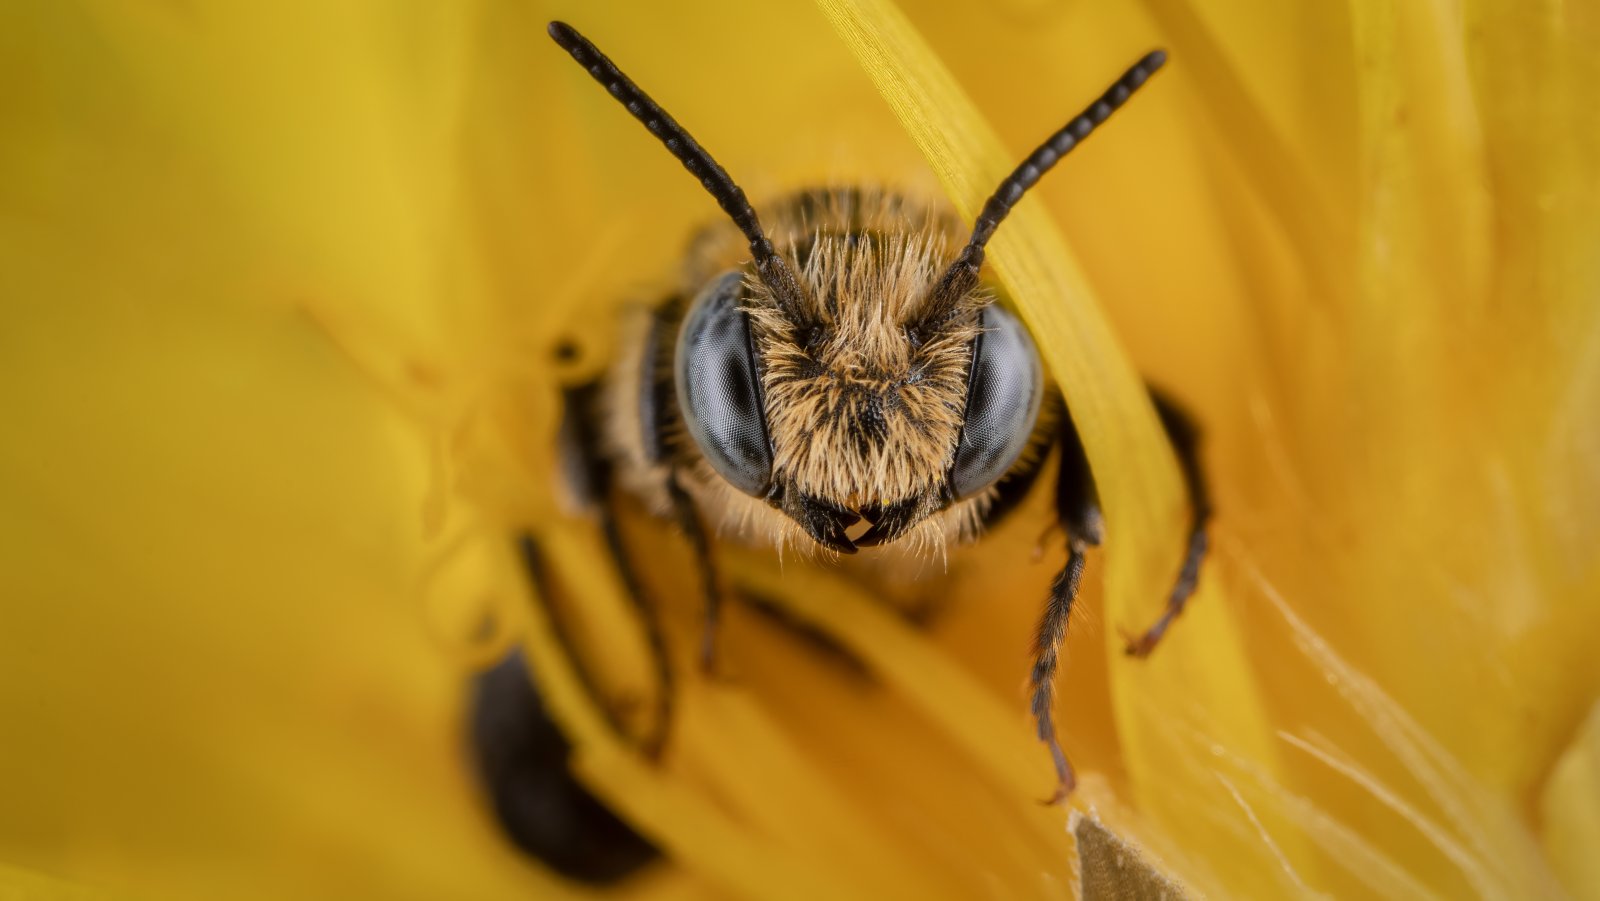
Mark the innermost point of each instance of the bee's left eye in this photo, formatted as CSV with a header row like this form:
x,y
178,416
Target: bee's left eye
x,y
1004,391
718,388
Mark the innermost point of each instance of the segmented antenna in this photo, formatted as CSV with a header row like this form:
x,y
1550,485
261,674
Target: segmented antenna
x,y
774,272
962,276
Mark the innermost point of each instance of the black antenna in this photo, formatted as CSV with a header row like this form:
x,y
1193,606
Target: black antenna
x,y
962,276
682,145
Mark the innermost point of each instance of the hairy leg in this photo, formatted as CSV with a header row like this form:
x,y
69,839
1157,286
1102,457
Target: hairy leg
x,y
1185,438
1078,511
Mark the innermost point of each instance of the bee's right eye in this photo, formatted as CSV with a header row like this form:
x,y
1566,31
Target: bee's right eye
x,y
719,390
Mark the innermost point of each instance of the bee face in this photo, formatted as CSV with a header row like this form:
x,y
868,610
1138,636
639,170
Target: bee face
x,y
864,402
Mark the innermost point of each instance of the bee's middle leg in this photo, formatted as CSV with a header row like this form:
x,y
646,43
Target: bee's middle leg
x,y
1185,438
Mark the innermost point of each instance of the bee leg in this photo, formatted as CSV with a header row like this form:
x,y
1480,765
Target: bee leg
x,y
588,473
694,529
1046,654
1078,509
1185,438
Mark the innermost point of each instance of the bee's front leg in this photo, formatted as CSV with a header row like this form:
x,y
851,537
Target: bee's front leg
x,y
1078,510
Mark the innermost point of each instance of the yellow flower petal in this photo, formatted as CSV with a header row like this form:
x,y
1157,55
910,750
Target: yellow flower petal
x,y
1570,811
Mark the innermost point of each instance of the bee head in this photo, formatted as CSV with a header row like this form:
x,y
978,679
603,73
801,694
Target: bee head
x,y
874,399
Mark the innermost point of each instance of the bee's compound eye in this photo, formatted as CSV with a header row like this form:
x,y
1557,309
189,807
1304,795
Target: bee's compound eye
x,y
1004,391
718,388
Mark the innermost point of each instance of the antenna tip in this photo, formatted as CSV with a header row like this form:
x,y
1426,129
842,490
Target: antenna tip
x,y
561,32
1155,59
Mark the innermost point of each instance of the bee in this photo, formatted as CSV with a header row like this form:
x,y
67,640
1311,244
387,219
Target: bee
x,y
837,374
